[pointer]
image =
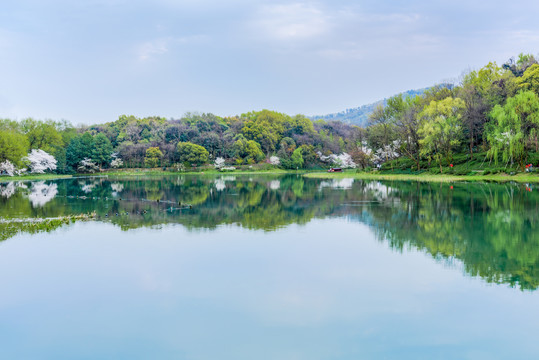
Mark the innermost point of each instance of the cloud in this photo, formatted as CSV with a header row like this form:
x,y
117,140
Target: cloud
x,y
291,21
160,46
153,48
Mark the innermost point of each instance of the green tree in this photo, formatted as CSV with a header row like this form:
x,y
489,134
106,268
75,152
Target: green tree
x,y
441,129
153,157
42,135
102,151
79,148
297,158
515,126
309,155
192,153
13,147
404,114
530,79
265,127
247,151
381,130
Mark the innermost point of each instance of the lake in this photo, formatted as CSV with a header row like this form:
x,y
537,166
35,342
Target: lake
x,y
268,267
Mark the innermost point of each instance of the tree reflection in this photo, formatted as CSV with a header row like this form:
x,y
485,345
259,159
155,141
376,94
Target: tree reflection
x,y
489,228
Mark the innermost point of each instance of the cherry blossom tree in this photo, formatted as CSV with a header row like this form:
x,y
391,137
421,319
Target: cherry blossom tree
x,y
116,161
345,161
274,160
219,163
87,166
7,168
387,152
40,161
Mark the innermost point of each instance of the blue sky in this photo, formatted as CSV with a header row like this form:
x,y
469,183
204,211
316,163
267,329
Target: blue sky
x,y
91,61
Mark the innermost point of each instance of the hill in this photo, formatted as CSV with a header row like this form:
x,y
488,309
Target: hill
x,y
359,116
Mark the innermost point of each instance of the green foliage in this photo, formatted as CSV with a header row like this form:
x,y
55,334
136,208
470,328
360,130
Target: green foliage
x,y
297,158
514,128
13,147
42,135
153,157
102,150
441,129
265,127
192,153
247,151
530,79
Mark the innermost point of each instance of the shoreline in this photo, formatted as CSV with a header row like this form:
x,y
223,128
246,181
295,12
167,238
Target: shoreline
x,y
147,172
317,174
519,177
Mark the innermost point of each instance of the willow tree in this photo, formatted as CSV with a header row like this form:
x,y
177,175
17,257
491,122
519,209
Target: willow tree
x,y
514,128
441,129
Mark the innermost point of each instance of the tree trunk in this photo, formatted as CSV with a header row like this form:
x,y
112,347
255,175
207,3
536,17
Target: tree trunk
x,y
471,144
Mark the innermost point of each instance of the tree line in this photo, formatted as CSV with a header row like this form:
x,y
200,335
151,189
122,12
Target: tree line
x,y
493,114
193,140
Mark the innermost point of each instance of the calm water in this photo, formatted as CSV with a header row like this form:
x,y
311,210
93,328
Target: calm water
x,y
253,267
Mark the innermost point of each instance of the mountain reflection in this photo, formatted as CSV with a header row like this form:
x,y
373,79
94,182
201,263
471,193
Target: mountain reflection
x,y
490,228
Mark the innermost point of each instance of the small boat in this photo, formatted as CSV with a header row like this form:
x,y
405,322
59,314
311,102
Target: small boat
x,y
335,170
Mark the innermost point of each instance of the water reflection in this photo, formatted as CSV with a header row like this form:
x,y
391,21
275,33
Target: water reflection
x,y
42,193
489,228
7,190
344,184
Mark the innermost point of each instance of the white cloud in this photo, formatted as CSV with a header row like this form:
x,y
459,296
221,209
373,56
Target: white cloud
x,y
291,21
152,48
160,46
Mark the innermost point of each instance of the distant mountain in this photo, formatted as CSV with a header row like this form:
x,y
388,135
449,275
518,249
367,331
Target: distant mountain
x,y
360,115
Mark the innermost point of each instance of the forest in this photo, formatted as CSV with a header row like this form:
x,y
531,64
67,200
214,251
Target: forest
x,y
488,121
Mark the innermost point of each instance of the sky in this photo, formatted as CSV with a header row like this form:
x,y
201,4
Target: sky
x,y
89,61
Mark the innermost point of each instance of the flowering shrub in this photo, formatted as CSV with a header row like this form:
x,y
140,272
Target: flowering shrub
x,y
40,161
87,166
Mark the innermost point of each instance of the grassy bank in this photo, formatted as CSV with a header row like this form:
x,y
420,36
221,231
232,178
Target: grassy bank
x,y
150,172
519,177
34,177
146,172
375,175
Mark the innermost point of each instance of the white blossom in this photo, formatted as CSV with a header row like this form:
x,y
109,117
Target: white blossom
x,y
387,152
219,163
40,161
378,190
7,190
88,166
341,184
364,148
274,160
117,187
220,184
275,184
87,188
343,160
7,168
327,159
41,193
116,161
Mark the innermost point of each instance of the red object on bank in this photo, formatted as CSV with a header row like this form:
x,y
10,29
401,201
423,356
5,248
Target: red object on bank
x,y
451,165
